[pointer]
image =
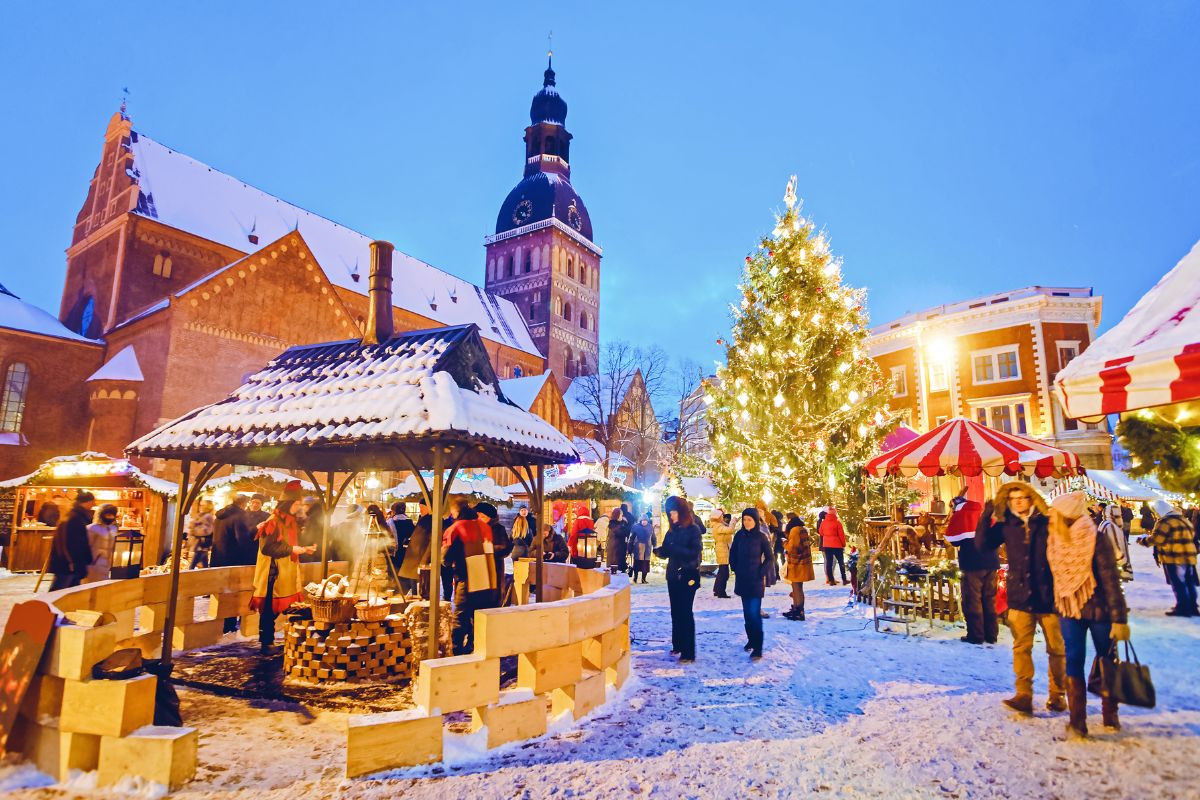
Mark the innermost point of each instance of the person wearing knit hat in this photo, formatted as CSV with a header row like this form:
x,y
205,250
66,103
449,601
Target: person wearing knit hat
x,y
277,570
1088,596
1174,541
682,548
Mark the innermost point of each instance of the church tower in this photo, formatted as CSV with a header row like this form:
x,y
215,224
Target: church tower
x,y
542,256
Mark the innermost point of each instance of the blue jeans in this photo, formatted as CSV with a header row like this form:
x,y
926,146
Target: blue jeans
x,y
1180,578
1074,634
751,608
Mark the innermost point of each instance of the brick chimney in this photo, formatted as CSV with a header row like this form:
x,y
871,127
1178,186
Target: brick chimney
x,y
379,294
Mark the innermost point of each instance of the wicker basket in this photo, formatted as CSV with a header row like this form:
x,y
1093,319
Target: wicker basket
x,y
370,613
332,610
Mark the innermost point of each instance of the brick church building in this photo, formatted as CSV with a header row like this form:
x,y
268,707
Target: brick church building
x,y
181,280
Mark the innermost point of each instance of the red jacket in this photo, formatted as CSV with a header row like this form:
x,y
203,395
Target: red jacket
x,y
963,521
832,532
582,523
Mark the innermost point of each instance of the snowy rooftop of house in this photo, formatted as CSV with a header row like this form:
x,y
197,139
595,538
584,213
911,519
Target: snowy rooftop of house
x,y
592,451
186,194
586,395
17,315
998,298
523,391
480,486
345,405
123,366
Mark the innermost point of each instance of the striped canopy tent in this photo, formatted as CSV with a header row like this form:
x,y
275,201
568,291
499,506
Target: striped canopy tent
x,y
901,436
965,448
1151,358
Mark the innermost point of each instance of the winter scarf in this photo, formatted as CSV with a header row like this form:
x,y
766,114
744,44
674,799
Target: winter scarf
x,y
1070,550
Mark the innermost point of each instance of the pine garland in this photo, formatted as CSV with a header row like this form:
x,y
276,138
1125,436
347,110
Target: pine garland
x,y
1165,450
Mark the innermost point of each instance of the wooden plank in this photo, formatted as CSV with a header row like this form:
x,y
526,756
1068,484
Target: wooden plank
x,y
56,752
544,670
518,629
43,698
160,754
581,697
108,708
375,742
457,683
194,635
590,615
514,717
617,674
603,651
74,650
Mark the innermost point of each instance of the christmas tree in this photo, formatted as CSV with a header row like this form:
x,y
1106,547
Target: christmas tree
x,y
799,406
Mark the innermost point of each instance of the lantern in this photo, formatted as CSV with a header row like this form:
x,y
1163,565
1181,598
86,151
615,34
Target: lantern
x,y
127,555
587,544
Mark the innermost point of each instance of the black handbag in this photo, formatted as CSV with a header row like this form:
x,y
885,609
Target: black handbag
x,y
1095,681
1131,684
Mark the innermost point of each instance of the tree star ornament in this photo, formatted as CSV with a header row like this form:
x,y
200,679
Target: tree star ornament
x,y
789,194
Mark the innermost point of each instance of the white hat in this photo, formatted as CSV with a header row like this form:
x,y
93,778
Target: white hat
x,y
1162,507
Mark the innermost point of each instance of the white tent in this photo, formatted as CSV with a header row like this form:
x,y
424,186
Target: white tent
x,y
1151,358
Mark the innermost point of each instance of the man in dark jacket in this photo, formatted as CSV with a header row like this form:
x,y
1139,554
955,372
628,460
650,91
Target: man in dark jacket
x,y
70,553
233,536
502,545
978,572
1017,518
233,542
470,561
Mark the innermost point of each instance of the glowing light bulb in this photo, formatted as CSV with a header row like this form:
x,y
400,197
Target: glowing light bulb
x,y
778,399
821,445
878,417
778,319
849,301
844,367
721,439
854,396
745,415
767,496
743,398
709,399
862,430
774,273
832,482
739,464
816,318
835,385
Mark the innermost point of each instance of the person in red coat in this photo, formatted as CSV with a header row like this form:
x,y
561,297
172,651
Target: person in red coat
x,y
833,545
978,568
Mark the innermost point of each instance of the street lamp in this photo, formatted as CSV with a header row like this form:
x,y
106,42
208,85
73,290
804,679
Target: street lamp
x,y
587,544
127,555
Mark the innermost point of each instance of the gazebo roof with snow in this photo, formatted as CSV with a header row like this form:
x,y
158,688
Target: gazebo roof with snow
x,y
351,406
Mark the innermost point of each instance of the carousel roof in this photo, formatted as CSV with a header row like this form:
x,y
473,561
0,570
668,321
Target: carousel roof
x,y
963,447
349,406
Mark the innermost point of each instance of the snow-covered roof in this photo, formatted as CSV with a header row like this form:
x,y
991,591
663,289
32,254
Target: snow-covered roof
x,y
570,480
123,366
480,486
46,472
592,451
186,194
258,476
523,391
585,393
17,315
315,404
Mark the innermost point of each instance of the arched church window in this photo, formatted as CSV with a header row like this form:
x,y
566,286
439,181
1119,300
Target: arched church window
x,y
512,262
162,264
567,312
570,268
528,262
569,366
87,316
12,400
517,371
583,274
583,320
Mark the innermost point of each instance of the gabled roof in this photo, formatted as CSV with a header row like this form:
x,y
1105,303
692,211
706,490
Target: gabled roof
x,y
123,366
17,315
183,193
346,405
524,391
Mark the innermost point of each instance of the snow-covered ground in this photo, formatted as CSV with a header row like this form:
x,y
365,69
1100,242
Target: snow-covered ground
x,y
833,707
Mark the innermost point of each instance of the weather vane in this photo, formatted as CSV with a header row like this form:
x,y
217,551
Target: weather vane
x,y
124,99
550,43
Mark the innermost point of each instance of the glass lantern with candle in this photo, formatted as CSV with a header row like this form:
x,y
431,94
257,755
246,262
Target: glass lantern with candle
x,y
127,555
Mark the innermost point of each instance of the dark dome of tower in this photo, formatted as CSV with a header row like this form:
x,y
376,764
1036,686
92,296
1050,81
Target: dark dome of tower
x,y
541,196
548,105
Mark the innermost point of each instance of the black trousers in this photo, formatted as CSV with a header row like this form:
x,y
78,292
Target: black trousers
x,y
266,614
721,587
682,592
979,605
465,605
832,554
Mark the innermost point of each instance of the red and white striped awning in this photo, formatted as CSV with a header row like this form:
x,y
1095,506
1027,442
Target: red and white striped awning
x,y
1151,358
962,447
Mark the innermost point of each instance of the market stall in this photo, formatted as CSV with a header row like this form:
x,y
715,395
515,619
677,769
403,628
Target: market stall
x,y
39,500
475,487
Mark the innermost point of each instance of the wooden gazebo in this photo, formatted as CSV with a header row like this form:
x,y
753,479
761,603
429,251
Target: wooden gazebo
x,y
421,400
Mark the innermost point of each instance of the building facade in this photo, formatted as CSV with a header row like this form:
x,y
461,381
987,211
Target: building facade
x,y
181,280
542,257
993,359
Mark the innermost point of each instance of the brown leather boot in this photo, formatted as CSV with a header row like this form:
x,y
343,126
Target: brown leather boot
x,y
1077,703
1022,703
1108,708
1057,703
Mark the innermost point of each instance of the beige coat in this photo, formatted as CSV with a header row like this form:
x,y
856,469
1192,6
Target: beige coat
x,y
799,555
722,535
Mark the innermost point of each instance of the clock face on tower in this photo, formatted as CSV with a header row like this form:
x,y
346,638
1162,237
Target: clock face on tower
x,y
573,217
522,212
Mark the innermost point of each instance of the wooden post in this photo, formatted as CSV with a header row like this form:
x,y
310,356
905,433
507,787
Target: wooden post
x,y
435,551
181,508
329,500
539,491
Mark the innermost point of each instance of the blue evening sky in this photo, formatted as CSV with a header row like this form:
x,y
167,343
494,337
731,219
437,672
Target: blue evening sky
x,y
949,149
